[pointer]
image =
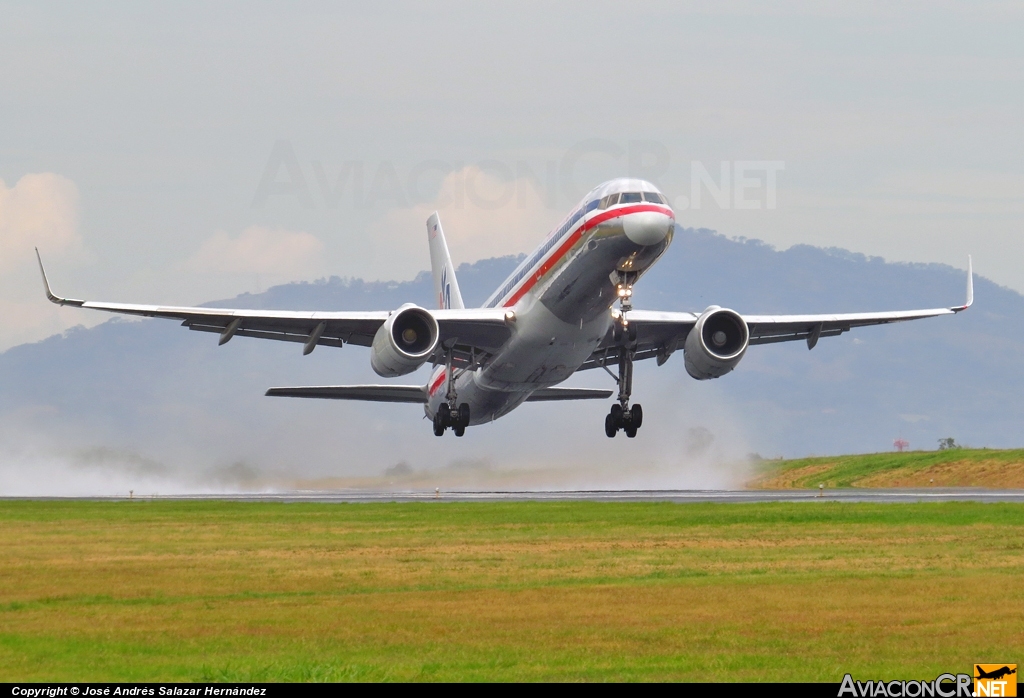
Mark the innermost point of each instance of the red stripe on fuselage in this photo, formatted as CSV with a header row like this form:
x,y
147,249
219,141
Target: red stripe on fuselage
x,y
546,265
437,383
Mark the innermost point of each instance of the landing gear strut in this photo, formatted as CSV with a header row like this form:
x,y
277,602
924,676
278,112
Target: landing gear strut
x,y
622,416
451,413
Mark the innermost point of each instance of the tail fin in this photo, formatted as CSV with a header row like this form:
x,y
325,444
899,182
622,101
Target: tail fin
x,y
446,287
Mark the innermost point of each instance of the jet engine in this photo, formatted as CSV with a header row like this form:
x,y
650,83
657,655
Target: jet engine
x,y
716,343
404,342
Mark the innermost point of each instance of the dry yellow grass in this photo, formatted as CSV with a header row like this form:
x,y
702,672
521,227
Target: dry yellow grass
x,y
959,473
997,469
162,590
790,478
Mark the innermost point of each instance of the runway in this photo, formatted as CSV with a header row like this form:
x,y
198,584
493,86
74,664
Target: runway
x,y
933,494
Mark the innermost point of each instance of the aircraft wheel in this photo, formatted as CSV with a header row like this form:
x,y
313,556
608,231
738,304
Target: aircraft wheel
x,y
637,416
616,413
464,415
444,412
438,425
609,426
631,432
459,430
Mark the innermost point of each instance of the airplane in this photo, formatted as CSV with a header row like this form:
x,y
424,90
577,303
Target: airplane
x,y
995,674
567,307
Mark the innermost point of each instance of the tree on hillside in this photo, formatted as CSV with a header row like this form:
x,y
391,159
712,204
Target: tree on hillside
x,y
947,444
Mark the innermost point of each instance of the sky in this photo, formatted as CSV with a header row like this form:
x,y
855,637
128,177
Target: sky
x,y
183,152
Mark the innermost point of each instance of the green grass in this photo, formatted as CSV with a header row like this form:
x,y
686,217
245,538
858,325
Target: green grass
x,y
230,591
949,468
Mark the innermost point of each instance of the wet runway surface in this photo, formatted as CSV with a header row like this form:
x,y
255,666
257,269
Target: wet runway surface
x,y
933,494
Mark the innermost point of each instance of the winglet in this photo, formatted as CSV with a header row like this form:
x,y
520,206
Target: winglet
x,y
970,288
49,294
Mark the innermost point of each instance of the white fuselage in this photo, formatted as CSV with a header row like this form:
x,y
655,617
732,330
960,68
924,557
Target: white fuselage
x,y
561,296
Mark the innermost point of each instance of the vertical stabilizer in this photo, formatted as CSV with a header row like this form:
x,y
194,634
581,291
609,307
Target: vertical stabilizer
x,y
446,288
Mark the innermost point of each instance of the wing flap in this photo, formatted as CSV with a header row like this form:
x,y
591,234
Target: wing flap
x,y
550,394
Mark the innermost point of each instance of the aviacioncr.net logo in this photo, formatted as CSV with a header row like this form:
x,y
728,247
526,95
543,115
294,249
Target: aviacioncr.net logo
x,y
942,686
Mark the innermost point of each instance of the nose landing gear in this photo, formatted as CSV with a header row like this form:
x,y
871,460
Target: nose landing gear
x,y
622,416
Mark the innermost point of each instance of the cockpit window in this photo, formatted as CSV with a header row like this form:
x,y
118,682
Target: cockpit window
x,y
654,198
609,200
630,198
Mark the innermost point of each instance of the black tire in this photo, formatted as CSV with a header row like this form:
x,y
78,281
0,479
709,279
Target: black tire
x,y
438,427
631,432
464,415
459,430
609,426
637,416
444,412
616,412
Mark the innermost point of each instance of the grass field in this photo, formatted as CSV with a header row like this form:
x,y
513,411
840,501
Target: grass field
x,y
961,467
161,590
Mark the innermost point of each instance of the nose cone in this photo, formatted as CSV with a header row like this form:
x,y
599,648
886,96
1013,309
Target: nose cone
x,y
646,227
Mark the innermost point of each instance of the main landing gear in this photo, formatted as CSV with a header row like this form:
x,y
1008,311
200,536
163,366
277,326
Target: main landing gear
x,y
457,419
450,413
622,416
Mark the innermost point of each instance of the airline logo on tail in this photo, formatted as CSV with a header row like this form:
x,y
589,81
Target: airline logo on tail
x,y
445,301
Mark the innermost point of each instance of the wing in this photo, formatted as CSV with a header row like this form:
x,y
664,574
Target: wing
x,y
369,393
658,334
418,393
475,333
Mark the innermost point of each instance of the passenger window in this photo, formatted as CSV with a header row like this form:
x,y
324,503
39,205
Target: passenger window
x,y
609,200
630,198
654,198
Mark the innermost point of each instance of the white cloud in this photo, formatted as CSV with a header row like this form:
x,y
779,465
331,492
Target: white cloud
x,y
41,210
258,250
483,215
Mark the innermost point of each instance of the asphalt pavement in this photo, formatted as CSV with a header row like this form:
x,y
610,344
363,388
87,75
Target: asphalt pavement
x,y
931,494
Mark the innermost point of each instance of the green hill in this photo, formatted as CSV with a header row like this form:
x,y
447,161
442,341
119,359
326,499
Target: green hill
x,y
958,467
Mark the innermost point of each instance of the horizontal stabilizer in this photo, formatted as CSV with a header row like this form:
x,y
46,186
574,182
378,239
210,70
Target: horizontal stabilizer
x,y
369,393
547,394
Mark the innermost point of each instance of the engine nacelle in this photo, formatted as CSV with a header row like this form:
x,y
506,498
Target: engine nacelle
x,y
404,342
716,343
